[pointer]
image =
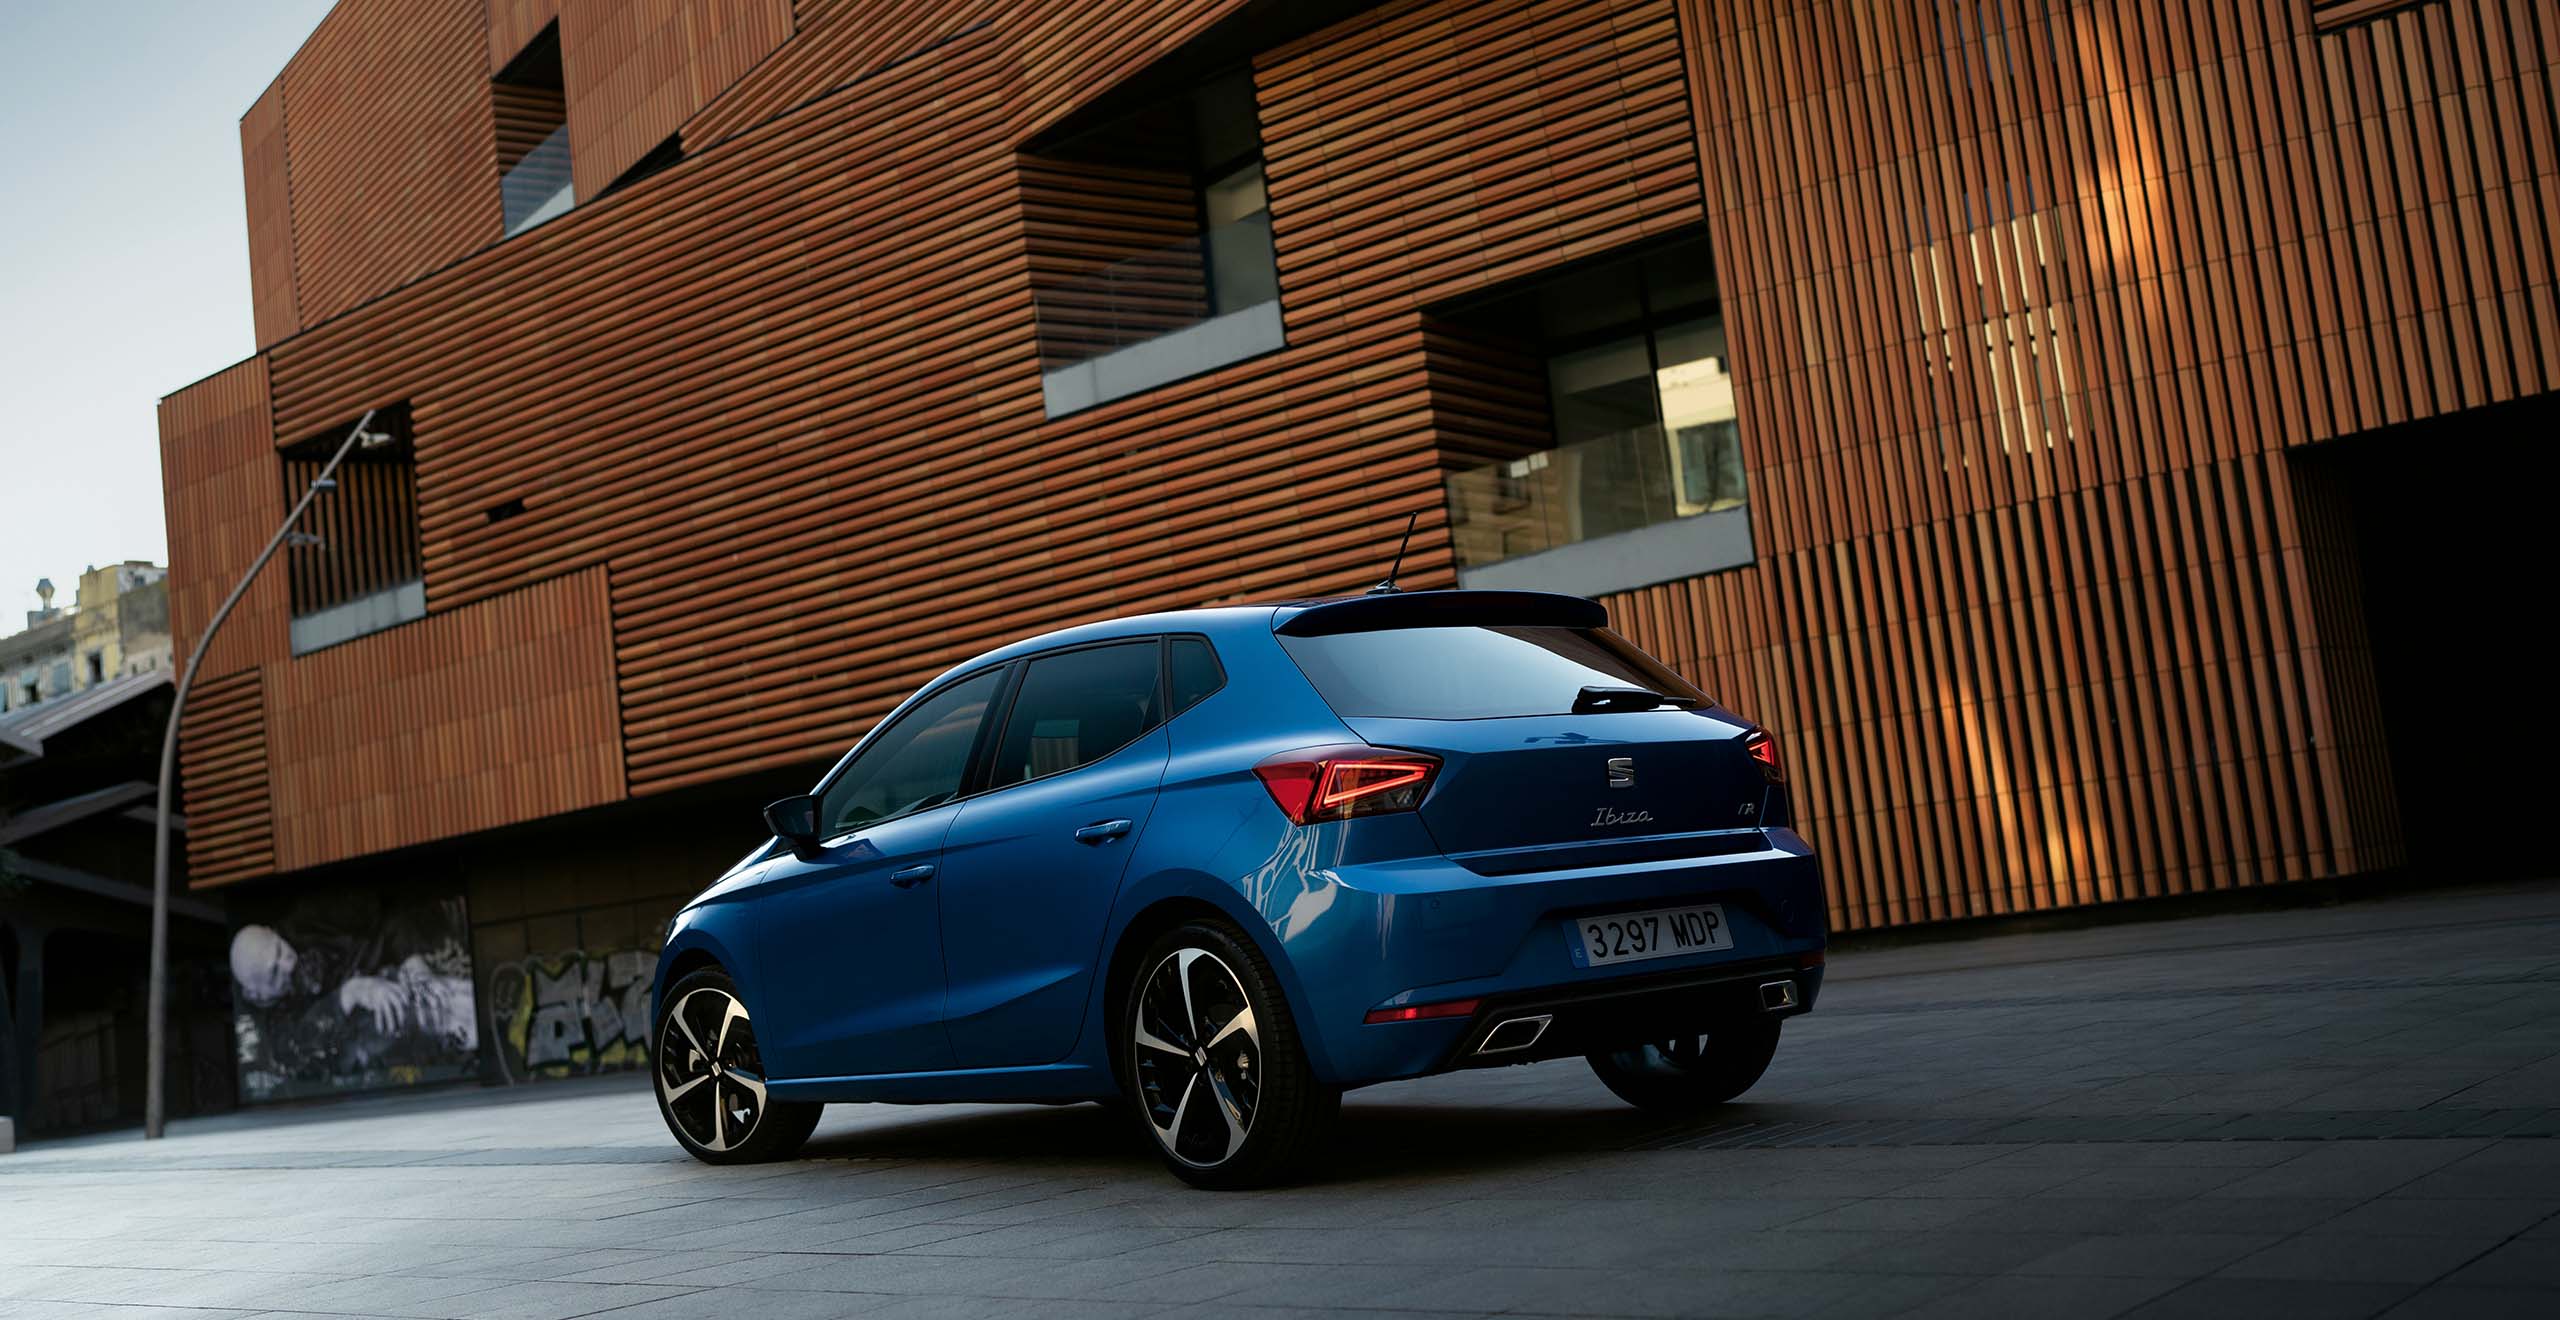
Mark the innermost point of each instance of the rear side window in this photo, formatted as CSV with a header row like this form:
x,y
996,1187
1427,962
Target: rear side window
x,y
1195,672
1078,707
1475,673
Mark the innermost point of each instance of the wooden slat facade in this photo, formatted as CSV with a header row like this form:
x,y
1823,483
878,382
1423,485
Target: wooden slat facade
x,y
272,299
499,712
1115,255
638,69
223,768
389,147
2025,308
222,498
513,24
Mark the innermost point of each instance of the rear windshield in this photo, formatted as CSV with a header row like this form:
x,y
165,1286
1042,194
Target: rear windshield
x,y
1475,673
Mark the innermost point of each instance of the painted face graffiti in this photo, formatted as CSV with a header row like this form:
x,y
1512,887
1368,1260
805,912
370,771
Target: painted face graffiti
x,y
345,994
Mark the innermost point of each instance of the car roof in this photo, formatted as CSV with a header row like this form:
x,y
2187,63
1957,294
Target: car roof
x,y
1310,616
1214,621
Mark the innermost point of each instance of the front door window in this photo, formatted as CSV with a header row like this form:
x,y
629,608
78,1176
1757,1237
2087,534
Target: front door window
x,y
920,762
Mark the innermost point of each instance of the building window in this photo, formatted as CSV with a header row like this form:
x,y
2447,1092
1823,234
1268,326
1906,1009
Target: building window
x,y
1631,359
97,667
1151,249
532,110
355,566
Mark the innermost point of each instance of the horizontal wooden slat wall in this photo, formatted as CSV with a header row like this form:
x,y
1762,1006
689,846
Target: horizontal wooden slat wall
x,y
389,143
1427,151
523,118
513,24
636,70
262,162
746,383
222,500
222,765
499,712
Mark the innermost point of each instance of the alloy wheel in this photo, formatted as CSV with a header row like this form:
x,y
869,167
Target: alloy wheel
x,y
1196,1056
709,1072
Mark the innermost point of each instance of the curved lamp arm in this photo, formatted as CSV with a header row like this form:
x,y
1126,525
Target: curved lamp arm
x,y
154,1109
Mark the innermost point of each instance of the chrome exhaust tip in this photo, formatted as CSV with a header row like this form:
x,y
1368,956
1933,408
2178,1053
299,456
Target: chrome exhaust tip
x,y
1515,1034
1777,995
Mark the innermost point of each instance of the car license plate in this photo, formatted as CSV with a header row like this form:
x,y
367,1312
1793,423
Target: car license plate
x,y
1625,937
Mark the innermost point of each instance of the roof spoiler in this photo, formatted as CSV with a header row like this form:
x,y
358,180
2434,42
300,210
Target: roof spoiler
x,y
1444,609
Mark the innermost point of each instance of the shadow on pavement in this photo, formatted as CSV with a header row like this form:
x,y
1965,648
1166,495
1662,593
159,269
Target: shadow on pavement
x,y
1382,1139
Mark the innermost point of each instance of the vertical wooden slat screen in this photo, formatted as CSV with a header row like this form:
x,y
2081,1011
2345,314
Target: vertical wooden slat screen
x,y
2027,303
2331,15
368,530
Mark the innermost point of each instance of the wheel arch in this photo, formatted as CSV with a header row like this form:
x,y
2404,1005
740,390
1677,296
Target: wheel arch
x,y
1164,912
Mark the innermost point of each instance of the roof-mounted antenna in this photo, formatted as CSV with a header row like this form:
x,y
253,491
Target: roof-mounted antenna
x,y
1388,587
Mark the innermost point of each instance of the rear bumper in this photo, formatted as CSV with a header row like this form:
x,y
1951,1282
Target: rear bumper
x,y
1570,1021
1415,931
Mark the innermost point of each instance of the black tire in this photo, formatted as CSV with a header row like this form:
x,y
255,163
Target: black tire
x,y
710,1078
1691,1073
1267,1118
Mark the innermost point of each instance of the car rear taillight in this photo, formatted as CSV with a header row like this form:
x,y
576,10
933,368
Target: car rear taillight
x,y
1421,1012
1764,749
1337,783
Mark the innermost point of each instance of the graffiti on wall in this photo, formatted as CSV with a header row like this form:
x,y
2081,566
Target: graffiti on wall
x,y
571,1013
345,992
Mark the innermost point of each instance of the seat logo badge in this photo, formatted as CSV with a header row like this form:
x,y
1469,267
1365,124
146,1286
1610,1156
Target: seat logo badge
x,y
1613,816
1622,772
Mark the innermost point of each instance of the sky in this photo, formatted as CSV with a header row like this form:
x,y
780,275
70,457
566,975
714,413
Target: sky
x,y
124,258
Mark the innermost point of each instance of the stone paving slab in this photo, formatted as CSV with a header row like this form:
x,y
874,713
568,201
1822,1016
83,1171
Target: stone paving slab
x,y
2348,1111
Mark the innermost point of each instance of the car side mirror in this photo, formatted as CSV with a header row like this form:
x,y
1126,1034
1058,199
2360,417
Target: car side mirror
x,y
794,820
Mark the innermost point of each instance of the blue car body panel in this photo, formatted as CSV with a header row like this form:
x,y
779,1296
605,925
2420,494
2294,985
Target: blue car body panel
x,y
988,983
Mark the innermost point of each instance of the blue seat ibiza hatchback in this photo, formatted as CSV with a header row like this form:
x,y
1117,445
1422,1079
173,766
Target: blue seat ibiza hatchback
x,y
1216,867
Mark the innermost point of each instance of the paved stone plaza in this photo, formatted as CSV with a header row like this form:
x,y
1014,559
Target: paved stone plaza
x,y
2344,1111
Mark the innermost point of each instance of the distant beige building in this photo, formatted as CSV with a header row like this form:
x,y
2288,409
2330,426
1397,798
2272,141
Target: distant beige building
x,y
118,625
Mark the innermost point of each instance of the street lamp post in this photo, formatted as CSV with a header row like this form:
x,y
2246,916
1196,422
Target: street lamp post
x,y
155,1067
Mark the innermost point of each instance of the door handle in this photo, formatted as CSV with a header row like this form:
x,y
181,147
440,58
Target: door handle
x,y
911,876
1102,831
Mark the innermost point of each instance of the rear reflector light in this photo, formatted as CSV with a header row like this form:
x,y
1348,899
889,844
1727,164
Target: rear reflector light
x,y
1337,783
1421,1012
1808,961
1764,749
